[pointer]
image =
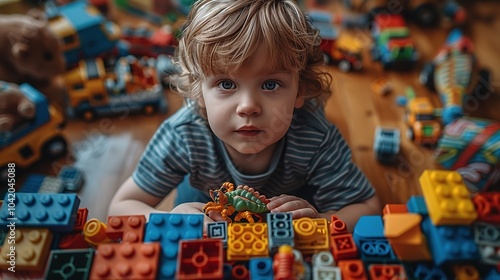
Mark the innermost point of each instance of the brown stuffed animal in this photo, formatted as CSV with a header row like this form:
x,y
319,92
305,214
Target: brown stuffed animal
x,y
15,107
31,53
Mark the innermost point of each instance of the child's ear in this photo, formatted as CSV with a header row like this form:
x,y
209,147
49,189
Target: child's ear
x,y
299,101
201,102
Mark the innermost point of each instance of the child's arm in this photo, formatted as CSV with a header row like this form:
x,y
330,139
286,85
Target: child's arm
x,y
130,199
349,214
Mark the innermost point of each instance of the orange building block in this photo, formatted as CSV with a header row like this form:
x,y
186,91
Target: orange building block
x,y
246,241
343,246
387,272
30,250
337,226
394,208
126,261
447,198
95,232
466,272
405,236
352,269
130,229
311,235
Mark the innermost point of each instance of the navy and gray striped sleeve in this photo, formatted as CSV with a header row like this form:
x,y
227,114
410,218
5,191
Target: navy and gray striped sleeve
x,y
164,163
338,180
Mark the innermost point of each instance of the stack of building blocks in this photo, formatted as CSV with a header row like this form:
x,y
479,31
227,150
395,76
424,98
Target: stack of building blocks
x,y
403,243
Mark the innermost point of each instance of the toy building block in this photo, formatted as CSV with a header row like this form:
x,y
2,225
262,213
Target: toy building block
x,y
128,229
352,269
69,264
447,198
280,229
311,235
94,232
246,241
72,178
38,183
386,144
261,268
240,272
169,229
30,252
450,243
394,208
405,236
487,237
200,259
466,272
126,261
416,204
54,211
343,246
487,206
326,272
283,262
81,219
387,271
323,258
493,274
429,271
75,240
371,241
337,226
218,230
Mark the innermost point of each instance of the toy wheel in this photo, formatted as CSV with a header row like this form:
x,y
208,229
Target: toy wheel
x,y
344,66
55,147
410,134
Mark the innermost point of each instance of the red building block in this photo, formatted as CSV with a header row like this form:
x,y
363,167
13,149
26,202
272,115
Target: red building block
x,y
130,229
395,208
352,269
81,219
337,226
126,261
240,272
488,207
387,272
343,247
73,241
200,259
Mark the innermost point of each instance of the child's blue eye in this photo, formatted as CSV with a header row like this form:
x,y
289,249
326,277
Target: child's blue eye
x,y
270,85
227,85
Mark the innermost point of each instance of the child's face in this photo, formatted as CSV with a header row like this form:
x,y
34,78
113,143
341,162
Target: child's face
x,y
251,109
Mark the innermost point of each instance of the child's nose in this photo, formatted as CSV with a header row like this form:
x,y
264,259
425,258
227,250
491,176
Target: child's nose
x,y
249,105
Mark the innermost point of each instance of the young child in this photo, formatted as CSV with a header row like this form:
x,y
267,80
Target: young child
x,y
251,69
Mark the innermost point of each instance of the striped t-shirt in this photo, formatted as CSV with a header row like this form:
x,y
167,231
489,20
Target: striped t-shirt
x,y
312,159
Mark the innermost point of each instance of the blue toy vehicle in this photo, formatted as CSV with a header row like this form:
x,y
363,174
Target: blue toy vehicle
x,y
386,144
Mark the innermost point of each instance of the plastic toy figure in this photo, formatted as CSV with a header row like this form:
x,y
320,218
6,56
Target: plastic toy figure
x,y
31,53
243,200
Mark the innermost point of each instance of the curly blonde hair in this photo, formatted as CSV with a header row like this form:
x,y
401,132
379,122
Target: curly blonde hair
x,y
221,35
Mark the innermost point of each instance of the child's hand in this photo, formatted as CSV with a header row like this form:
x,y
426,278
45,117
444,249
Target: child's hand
x,y
196,208
297,206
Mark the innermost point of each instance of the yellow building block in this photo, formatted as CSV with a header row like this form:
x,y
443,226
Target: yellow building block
x,y
311,235
30,250
447,198
403,232
247,240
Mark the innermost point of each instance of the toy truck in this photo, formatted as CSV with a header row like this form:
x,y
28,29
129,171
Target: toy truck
x,y
132,86
471,146
31,141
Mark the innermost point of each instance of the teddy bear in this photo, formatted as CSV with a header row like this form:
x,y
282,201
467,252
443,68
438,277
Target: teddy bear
x,y
15,107
31,53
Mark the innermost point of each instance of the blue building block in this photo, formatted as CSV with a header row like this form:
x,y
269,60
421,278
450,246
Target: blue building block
x,y
425,271
494,274
54,211
69,264
416,204
169,229
280,230
450,243
32,184
72,178
261,268
218,230
487,237
371,242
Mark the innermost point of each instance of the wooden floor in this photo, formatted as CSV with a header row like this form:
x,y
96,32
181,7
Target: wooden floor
x,y
108,149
